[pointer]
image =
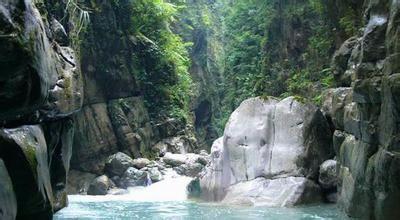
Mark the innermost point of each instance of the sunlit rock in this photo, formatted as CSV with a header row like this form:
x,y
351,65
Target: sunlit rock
x,y
271,139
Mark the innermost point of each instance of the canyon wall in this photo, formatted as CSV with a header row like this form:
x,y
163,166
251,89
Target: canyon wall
x,y
70,98
365,114
41,89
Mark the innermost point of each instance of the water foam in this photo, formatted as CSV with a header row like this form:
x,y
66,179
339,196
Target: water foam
x,y
172,188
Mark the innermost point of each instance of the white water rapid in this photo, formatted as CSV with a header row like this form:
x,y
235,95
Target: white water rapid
x,y
172,188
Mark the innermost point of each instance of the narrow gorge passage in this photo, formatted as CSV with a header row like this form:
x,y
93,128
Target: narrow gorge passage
x,y
199,109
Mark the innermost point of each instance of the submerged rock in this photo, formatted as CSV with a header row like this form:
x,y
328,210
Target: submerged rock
x,y
270,138
99,186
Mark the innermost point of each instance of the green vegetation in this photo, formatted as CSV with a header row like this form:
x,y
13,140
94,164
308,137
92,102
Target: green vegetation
x,y
164,78
79,16
348,22
234,49
276,49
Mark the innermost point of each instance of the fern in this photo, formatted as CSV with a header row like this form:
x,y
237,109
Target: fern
x,y
79,13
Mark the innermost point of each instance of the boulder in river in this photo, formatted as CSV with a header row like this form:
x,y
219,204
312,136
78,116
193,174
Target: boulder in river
x,y
155,174
99,186
271,139
117,164
134,177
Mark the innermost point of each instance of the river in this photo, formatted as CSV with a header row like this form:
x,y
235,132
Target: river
x,y
167,200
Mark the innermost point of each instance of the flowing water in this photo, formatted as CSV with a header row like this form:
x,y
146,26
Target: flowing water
x,y
167,200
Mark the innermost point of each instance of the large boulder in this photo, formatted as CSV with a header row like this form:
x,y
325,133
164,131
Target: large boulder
x,y
99,186
117,164
267,138
134,177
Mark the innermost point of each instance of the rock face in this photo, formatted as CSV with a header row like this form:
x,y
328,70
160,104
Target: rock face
x,y
39,79
268,139
8,202
78,182
366,113
41,88
114,117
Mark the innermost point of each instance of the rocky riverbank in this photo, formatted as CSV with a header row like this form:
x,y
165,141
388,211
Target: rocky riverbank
x,y
122,172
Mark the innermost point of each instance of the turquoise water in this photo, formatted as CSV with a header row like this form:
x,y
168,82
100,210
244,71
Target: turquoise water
x,y
168,200
189,210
